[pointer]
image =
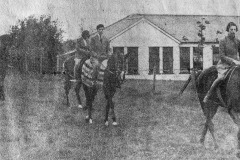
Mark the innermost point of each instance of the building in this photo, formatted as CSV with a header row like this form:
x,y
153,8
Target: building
x,y
169,42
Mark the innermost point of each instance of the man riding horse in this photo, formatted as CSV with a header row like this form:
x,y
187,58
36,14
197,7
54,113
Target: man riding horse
x,y
98,49
229,48
83,52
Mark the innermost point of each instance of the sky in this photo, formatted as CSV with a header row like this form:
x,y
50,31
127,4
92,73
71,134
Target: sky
x,y
87,14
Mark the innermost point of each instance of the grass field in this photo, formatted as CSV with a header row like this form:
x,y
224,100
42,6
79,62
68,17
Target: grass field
x,y
37,125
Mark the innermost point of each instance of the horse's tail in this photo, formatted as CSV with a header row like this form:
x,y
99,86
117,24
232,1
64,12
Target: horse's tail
x,y
64,68
194,76
68,67
185,85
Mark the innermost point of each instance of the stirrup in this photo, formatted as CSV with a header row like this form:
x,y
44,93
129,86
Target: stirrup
x,y
206,98
73,80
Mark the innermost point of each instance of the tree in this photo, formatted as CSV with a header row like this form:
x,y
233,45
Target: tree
x,y
202,26
69,45
36,43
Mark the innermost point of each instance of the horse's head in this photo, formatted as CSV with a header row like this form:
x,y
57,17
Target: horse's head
x,y
117,63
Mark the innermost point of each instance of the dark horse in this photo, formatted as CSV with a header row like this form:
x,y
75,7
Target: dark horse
x,y
114,70
226,95
68,69
5,43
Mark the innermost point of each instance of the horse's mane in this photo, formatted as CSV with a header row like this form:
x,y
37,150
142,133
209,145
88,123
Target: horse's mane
x,y
207,72
111,62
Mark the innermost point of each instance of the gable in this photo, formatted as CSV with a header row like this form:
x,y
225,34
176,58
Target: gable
x,y
143,33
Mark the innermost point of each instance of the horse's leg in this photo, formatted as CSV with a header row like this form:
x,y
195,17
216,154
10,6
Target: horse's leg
x,y
236,119
67,87
107,111
209,110
77,89
113,112
89,116
2,95
88,95
110,105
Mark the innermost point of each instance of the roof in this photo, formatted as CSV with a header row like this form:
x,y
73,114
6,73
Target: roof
x,y
177,26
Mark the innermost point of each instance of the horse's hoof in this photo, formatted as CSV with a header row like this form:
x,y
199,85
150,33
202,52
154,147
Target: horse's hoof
x,y
90,121
106,123
87,119
80,106
115,123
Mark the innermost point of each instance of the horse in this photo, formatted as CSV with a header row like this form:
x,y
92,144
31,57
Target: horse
x,y
112,72
5,42
68,72
227,95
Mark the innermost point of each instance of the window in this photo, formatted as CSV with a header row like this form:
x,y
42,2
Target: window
x,y
132,63
154,59
216,56
198,58
167,60
184,60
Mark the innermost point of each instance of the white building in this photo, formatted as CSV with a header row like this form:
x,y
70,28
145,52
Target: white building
x,y
169,40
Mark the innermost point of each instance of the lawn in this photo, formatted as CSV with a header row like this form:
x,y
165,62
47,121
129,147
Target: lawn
x,y
37,125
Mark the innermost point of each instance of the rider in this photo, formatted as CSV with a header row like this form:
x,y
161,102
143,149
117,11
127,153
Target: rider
x,y
229,48
83,51
100,48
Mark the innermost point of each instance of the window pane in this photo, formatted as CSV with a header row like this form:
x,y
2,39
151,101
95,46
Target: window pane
x,y
154,59
132,60
216,56
168,60
184,60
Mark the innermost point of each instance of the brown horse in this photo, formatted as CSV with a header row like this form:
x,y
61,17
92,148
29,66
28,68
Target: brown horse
x,y
227,95
5,42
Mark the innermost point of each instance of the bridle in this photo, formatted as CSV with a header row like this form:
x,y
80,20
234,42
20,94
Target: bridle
x,y
119,68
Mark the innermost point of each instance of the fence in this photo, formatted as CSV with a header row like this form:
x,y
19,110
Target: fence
x,y
61,58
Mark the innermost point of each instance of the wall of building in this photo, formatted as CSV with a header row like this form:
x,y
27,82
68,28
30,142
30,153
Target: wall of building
x,y
138,36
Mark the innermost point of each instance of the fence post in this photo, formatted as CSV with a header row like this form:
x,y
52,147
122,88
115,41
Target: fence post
x,y
154,79
193,77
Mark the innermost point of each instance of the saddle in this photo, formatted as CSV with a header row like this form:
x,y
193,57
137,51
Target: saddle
x,y
87,73
221,88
